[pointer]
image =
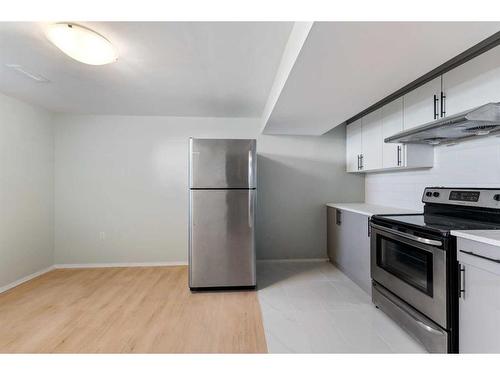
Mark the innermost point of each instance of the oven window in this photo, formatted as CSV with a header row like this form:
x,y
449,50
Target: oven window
x,y
410,264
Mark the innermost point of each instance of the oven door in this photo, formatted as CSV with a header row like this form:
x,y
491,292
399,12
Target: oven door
x,y
411,267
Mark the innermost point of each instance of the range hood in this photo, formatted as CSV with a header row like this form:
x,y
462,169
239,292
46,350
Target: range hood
x,y
479,121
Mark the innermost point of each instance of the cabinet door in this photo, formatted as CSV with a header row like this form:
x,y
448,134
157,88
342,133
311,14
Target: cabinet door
x,y
474,83
372,141
419,106
338,246
359,246
333,239
348,245
353,145
392,123
479,318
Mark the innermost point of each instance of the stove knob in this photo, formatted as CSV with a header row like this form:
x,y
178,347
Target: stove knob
x,y
429,194
496,197
435,194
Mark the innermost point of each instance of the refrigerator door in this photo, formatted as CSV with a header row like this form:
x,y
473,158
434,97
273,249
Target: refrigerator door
x,y
222,163
221,238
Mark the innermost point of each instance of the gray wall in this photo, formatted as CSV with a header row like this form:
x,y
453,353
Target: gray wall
x,y
26,190
297,176
121,187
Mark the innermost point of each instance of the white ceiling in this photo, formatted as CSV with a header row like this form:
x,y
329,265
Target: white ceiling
x,y
212,69
343,68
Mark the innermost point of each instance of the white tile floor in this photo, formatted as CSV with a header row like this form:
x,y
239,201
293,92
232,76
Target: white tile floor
x,y
312,307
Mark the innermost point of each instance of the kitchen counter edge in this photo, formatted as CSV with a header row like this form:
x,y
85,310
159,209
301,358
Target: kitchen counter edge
x,y
490,237
371,209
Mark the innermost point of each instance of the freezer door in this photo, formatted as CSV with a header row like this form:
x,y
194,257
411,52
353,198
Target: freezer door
x,y
222,163
221,238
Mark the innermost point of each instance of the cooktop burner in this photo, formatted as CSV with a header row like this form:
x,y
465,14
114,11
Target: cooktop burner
x,y
447,209
441,223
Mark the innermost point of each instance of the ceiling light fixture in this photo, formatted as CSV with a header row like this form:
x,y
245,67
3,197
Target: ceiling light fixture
x,y
82,44
36,77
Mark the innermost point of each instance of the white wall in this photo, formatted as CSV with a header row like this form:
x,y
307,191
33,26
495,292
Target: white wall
x,y
468,164
26,190
121,187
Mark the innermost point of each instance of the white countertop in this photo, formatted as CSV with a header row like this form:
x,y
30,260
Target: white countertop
x,y
491,237
372,209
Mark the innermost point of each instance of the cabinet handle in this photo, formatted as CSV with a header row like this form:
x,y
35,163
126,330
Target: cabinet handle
x,y
435,107
480,256
399,156
361,160
338,217
358,163
369,228
461,291
443,109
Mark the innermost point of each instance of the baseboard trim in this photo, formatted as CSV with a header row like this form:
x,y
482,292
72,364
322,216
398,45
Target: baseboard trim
x,y
139,264
24,279
295,260
111,265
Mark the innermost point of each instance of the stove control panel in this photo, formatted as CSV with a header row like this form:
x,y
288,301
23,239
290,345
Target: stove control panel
x,y
464,195
476,197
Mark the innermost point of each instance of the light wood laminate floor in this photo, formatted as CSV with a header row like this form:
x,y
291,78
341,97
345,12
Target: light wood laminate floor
x,y
127,310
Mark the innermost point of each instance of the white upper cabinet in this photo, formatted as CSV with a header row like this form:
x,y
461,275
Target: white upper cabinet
x,y
422,105
353,146
365,147
467,86
392,123
474,83
372,141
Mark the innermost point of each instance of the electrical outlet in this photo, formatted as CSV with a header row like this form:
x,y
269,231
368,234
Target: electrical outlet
x,y
102,236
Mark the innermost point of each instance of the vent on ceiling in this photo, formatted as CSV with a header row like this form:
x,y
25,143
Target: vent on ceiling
x,y
19,69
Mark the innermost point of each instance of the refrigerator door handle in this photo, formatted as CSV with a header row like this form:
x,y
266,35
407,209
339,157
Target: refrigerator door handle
x,y
250,169
250,208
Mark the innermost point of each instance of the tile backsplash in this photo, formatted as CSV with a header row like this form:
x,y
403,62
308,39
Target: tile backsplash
x,y
469,164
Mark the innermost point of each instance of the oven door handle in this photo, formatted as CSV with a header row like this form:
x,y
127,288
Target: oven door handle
x,y
423,240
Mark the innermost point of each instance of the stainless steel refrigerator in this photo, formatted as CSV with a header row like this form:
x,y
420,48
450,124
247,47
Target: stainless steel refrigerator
x,y
222,195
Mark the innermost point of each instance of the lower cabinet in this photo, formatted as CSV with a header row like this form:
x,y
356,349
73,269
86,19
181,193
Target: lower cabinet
x,y
479,305
348,245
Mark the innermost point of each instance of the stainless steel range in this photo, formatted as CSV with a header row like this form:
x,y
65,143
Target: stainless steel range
x,y
414,265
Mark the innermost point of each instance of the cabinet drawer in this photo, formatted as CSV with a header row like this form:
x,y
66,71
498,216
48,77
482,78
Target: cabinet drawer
x,y
478,254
